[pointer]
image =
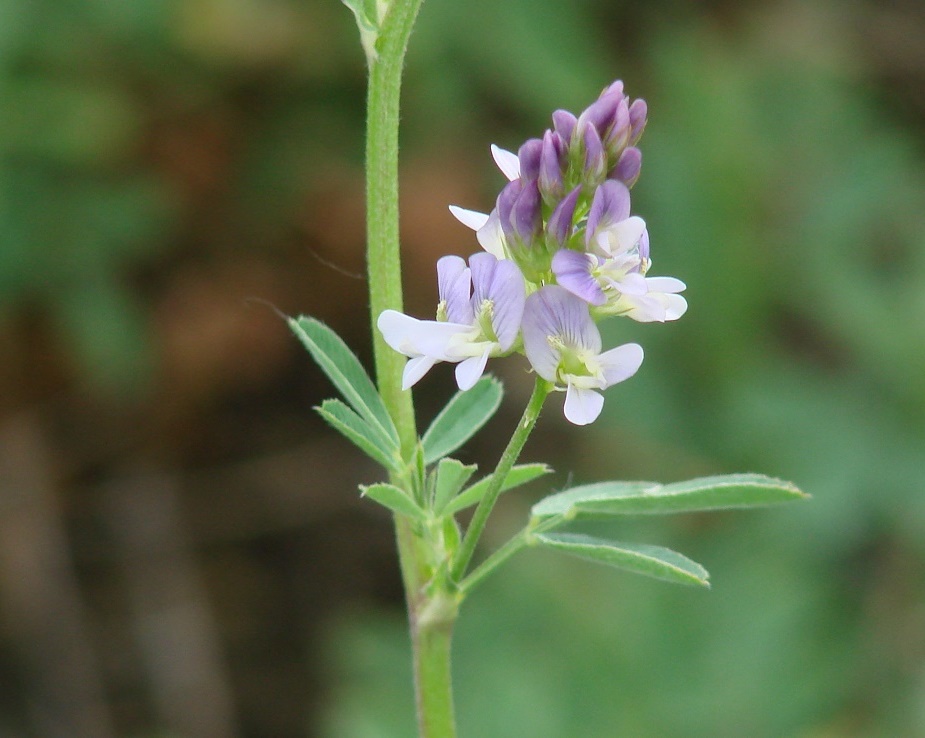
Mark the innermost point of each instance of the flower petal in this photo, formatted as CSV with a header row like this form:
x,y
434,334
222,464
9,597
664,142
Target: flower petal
x,y
610,205
559,225
582,406
491,237
507,162
437,339
628,166
665,284
554,312
469,370
573,271
633,284
676,307
470,218
502,283
529,157
551,159
621,363
454,288
623,236
398,330
415,369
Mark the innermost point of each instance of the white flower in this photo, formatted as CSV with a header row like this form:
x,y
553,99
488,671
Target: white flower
x,y
479,316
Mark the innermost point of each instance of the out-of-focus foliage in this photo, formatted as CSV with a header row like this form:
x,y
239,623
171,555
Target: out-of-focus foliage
x,y
122,121
778,188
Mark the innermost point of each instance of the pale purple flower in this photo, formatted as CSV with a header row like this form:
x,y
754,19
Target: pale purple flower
x,y
613,280
598,280
478,316
563,345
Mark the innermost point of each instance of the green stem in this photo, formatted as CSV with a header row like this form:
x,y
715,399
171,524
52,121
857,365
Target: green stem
x,y
540,391
430,617
493,562
383,257
521,540
432,633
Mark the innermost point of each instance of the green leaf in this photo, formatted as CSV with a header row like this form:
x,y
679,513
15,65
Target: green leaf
x,y
463,415
518,475
452,475
393,498
346,372
370,440
563,503
641,498
639,558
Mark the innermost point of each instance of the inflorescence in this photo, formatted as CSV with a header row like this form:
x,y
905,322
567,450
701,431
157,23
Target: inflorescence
x,y
562,251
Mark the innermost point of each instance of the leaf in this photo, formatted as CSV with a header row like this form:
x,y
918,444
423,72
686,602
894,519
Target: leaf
x,y
367,438
452,475
641,498
346,372
639,558
463,415
518,475
564,503
393,498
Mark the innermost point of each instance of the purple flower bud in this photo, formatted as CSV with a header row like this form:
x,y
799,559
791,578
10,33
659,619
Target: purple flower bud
x,y
551,159
595,157
628,166
617,136
529,155
505,203
519,211
615,88
526,216
600,113
611,204
638,112
559,226
564,124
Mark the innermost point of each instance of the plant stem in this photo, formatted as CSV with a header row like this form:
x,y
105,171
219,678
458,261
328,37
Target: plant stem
x,y
432,633
431,616
540,391
383,256
521,540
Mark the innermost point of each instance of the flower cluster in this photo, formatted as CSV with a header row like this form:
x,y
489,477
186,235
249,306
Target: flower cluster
x,y
561,252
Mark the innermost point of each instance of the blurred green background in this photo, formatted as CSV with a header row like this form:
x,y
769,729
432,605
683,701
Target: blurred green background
x,y
182,550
